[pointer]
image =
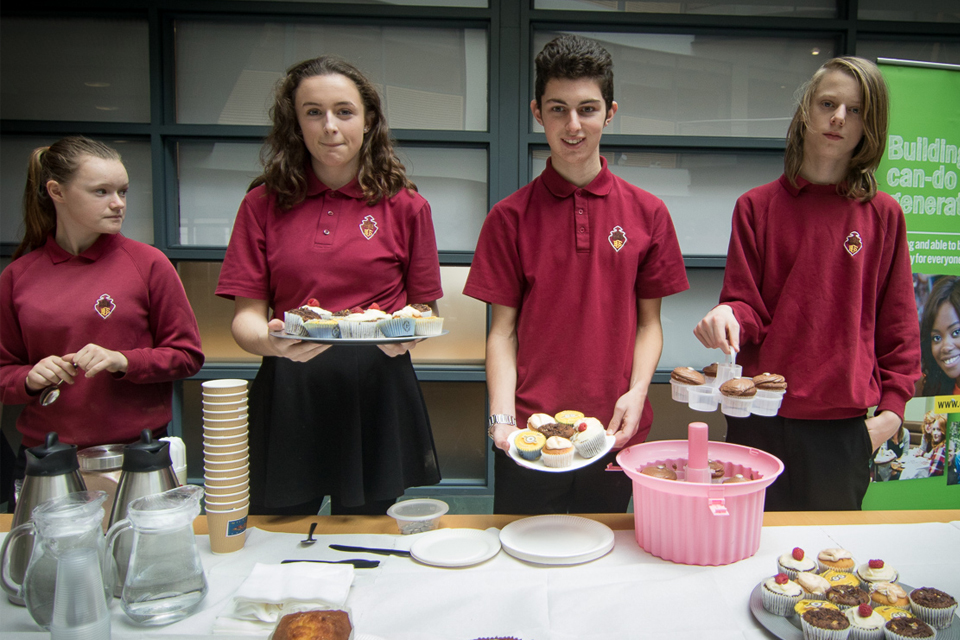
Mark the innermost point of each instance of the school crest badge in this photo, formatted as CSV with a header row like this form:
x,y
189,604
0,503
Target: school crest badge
x,y
853,243
368,227
617,238
105,306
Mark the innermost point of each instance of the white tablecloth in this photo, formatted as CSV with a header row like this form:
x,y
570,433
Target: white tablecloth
x,y
626,595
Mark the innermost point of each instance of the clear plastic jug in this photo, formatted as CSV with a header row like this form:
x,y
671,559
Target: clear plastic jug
x,y
164,579
69,522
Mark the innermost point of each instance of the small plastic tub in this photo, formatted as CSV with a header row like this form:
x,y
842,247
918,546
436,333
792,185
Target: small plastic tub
x,y
418,515
727,371
680,391
767,403
735,407
703,398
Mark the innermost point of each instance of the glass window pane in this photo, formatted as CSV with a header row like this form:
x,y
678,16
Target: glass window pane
x,y
75,69
458,413
428,78
214,177
138,223
919,11
924,51
681,313
705,85
454,182
464,317
790,8
478,4
699,189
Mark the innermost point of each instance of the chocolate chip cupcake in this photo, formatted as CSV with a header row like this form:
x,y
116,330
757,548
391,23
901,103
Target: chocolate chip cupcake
x,y
908,628
933,606
824,624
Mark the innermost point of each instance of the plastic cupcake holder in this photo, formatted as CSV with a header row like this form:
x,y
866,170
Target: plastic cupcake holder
x,y
707,397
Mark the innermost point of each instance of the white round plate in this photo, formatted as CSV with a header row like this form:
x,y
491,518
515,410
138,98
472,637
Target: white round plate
x,y
455,547
354,341
557,539
537,465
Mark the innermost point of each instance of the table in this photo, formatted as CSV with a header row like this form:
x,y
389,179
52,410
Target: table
x,y
625,595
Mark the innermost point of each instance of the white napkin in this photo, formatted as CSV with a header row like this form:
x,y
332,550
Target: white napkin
x,y
274,590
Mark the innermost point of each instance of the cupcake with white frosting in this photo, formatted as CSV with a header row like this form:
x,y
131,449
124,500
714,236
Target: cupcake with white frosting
x,y
779,594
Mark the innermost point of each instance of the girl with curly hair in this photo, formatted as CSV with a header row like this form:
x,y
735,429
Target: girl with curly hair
x,y
332,218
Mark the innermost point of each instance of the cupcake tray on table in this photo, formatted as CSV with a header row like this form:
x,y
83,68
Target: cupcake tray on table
x,y
788,628
537,465
354,341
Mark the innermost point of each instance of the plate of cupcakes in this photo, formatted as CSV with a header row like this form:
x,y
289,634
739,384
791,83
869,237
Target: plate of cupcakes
x,y
359,326
559,443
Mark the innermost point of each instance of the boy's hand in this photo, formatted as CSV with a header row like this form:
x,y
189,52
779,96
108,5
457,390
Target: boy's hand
x,y
626,417
719,329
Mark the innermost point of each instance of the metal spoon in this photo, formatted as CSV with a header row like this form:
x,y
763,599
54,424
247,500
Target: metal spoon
x,y
50,394
310,539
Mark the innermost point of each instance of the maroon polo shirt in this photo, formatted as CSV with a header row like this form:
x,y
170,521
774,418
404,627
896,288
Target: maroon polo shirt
x,y
333,247
574,261
120,294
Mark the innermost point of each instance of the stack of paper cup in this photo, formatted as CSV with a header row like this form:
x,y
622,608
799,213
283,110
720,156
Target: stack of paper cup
x,y
226,469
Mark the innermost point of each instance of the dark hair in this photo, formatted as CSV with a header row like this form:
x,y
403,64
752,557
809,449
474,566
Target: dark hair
x,y
58,162
860,182
571,57
285,157
935,381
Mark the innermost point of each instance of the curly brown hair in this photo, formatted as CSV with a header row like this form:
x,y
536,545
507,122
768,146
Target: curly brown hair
x,y
860,182
285,156
58,162
570,57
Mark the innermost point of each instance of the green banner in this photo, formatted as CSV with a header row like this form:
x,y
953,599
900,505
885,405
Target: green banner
x,y
921,164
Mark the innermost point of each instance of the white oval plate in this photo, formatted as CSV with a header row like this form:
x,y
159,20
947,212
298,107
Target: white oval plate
x,y
557,539
455,547
537,465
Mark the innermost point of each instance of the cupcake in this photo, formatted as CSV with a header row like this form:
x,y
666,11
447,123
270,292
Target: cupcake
x,y
780,594
568,417
535,421
876,570
557,452
589,437
908,628
681,379
429,326
739,477
836,559
824,624
423,309
361,325
806,605
865,623
891,613
710,373
396,327
888,594
846,596
322,328
736,397
294,318
716,471
933,606
814,587
550,429
529,444
840,578
659,471
795,562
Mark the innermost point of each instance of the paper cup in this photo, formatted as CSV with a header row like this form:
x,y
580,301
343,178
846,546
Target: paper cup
x,y
226,465
219,412
220,441
224,424
226,498
210,473
223,387
214,505
218,398
217,457
220,449
231,481
227,529
224,432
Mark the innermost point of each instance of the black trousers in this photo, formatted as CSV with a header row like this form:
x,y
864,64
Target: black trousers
x,y
827,462
591,489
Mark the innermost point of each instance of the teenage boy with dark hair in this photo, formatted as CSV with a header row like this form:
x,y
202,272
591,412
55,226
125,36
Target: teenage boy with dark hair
x,y
574,265
818,288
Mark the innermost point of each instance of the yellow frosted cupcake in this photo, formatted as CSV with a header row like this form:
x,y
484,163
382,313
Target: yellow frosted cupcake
x,y
568,418
805,605
529,444
836,578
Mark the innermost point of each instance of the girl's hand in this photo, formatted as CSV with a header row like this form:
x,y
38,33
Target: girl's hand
x,y
295,350
719,329
48,372
395,349
93,359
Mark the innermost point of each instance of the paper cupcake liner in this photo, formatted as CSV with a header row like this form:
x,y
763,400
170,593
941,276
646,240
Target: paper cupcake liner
x,y
351,329
293,324
557,459
592,447
397,327
428,326
890,635
936,618
826,567
323,329
859,633
779,604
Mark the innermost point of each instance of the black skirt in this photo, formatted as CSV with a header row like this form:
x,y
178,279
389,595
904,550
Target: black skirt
x,y
350,423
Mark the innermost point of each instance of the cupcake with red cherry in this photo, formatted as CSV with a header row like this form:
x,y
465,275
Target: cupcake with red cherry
x,y
589,437
876,570
779,594
865,623
796,562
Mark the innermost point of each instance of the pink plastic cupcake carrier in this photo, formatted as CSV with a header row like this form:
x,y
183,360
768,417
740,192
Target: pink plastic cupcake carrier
x,y
692,520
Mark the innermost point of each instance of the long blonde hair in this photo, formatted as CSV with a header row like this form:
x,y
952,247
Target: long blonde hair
x,y
58,162
860,183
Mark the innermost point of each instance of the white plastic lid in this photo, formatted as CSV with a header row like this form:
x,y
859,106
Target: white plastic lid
x,y
418,509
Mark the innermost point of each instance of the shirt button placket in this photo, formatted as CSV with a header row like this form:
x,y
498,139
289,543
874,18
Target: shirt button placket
x,y
327,221
581,220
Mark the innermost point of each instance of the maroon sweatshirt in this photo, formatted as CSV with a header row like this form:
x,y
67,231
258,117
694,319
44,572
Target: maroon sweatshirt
x,y
120,294
822,288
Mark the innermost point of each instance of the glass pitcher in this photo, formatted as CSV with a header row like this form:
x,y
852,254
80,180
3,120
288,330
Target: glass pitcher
x,y
164,579
69,522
